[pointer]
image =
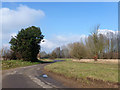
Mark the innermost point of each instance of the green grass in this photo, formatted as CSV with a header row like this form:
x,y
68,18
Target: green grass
x,y
47,60
8,64
70,69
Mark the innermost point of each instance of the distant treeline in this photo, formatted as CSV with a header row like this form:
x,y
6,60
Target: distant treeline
x,y
96,45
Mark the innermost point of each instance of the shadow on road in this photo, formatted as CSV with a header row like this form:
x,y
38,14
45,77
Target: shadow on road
x,y
54,61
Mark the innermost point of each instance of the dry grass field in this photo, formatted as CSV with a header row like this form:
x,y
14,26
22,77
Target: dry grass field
x,y
107,61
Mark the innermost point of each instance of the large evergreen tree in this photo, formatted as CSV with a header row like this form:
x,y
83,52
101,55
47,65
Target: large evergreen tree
x,y
27,43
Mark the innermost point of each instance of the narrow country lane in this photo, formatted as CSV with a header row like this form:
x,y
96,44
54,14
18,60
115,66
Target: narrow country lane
x,y
28,77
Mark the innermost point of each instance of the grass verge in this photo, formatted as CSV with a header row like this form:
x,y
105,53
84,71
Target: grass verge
x,y
46,60
9,64
97,71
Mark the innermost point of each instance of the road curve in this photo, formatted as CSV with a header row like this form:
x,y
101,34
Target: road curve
x,y
28,77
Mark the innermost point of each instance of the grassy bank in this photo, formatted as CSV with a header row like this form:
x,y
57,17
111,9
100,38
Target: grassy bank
x,y
8,64
77,70
46,60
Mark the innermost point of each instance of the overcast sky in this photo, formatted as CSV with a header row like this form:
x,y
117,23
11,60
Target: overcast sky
x,y
61,23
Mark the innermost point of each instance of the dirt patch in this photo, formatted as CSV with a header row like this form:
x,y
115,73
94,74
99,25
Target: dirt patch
x,y
81,83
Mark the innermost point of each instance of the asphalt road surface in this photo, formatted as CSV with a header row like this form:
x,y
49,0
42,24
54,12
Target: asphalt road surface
x,y
28,77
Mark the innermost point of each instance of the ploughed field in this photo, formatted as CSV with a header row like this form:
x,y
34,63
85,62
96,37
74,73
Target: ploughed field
x,y
86,73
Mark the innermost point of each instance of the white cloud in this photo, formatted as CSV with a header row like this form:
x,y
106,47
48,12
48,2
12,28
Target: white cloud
x,y
105,31
14,20
20,17
60,40
109,33
48,45
69,38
